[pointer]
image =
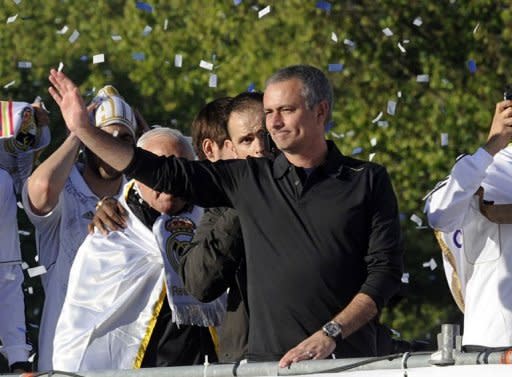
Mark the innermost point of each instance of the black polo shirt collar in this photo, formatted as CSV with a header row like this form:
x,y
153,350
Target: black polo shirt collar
x,y
332,166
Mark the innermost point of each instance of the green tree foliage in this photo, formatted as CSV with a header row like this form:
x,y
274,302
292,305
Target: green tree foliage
x,y
438,39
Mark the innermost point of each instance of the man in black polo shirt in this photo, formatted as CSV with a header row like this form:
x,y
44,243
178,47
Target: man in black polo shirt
x,y
321,230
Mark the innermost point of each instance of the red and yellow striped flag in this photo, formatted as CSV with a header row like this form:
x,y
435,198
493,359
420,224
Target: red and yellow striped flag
x,y
7,128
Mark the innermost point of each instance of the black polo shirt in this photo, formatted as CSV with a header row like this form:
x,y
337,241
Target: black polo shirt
x,y
312,241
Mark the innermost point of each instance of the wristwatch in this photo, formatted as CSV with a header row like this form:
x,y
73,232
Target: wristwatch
x,y
333,330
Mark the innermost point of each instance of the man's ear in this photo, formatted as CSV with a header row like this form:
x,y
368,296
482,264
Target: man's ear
x,y
208,148
322,111
230,146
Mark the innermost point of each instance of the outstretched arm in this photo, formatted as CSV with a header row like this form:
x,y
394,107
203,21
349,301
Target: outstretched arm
x,y
67,95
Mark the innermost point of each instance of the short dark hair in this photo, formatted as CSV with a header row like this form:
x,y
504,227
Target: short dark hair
x,y
316,87
245,101
211,123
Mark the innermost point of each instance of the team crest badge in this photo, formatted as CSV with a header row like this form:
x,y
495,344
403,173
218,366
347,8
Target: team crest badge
x,y
180,233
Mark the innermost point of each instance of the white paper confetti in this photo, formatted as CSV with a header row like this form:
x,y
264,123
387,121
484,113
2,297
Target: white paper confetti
x,y
36,258
431,264
36,271
334,37
349,43
9,84
444,139
61,67
476,28
17,2
391,107
417,21
74,36
402,48
373,141
206,65
399,94
387,32
178,60
99,58
147,30
23,233
337,136
423,78
116,38
212,83
377,118
383,123
264,11
372,155
20,205
405,278
12,19
63,31
24,265
30,290
350,133
166,24
25,65
417,220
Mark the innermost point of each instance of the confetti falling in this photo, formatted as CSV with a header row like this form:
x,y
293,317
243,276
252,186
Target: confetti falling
x,y
472,66
212,82
25,65
178,60
334,37
116,38
144,6
74,36
264,11
423,78
391,107
335,67
444,139
147,30
430,264
63,31
61,67
417,21
99,58
9,84
36,271
166,24
387,32
138,56
12,19
324,5
206,65
377,118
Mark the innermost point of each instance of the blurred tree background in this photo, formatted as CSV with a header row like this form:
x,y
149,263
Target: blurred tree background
x,y
415,85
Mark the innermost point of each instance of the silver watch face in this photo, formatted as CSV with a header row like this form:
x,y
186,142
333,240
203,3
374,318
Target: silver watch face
x,y
332,329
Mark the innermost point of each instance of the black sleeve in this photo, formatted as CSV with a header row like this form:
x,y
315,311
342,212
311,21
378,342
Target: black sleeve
x,y
209,265
202,183
385,253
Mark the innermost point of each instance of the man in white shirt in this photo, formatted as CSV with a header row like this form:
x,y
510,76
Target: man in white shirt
x,y
125,305
476,236
12,309
60,198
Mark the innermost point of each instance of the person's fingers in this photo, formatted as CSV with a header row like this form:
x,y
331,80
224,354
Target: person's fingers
x,y
123,214
55,82
56,96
